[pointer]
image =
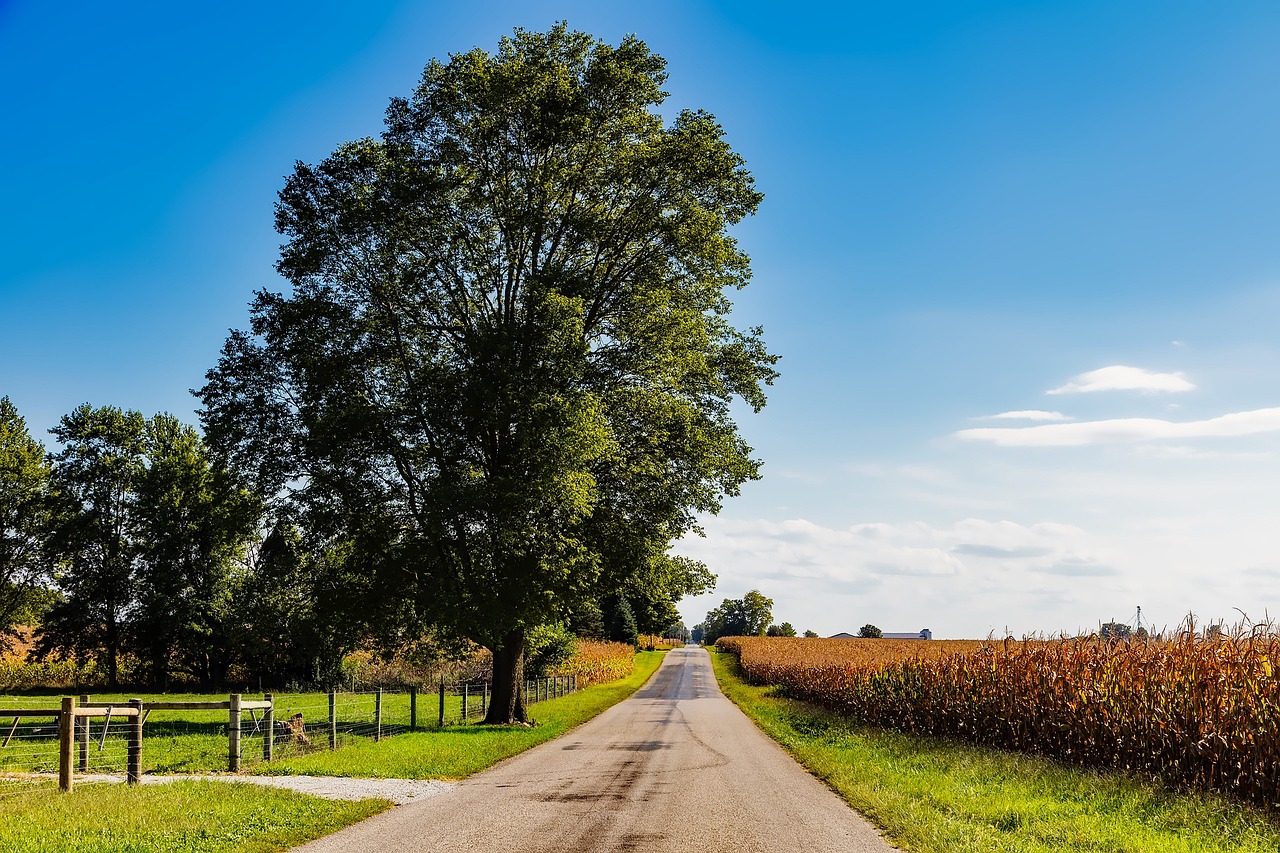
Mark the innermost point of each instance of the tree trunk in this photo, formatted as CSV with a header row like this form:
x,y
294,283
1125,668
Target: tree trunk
x,y
113,649
506,701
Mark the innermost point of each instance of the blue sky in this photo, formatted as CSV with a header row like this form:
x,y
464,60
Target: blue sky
x,y
968,206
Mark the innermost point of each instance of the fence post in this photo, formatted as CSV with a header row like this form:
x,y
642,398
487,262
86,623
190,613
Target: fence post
x,y
377,715
333,719
465,696
484,699
82,737
442,701
133,775
233,733
269,722
413,709
66,725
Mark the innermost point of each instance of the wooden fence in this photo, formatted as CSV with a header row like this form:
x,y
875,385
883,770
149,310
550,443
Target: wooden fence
x,y
73,730
74,736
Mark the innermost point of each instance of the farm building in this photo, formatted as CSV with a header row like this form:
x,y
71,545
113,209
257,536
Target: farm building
x,y
922,634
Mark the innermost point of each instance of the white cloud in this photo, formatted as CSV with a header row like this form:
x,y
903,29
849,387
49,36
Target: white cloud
x,y
1121,378
1031,415
1121,430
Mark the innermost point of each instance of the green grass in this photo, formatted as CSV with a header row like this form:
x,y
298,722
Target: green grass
x,y
184,817
186,741
241,818
931,796
457,751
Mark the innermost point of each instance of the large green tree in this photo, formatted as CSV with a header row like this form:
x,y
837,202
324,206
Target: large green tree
x,y
95,472
149,541
504,370
25,517
192,525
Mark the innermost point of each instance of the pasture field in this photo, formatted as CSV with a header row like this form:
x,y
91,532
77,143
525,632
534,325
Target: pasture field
x,y
199,815
1199,714
195,741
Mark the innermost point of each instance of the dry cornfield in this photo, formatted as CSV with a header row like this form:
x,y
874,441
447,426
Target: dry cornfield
x,y
1199,713
595,661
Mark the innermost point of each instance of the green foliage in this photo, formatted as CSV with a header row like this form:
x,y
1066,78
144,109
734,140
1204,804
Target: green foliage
x,y
548,647
620,623
150,538
25,520
811,634
870,632
748,616
786,629
1114,630
587,621
501,382
287,634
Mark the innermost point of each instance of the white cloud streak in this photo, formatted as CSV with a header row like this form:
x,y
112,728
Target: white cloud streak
x,y
1031,415
1118,377
1122,430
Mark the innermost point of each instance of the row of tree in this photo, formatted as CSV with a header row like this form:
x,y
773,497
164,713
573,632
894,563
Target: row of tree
x,y
749,616
132,542
128,539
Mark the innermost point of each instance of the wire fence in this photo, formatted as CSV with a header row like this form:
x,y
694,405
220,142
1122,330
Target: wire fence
x,y
200,733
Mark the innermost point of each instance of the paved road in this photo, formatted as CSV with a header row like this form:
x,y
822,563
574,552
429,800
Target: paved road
x,y
677,767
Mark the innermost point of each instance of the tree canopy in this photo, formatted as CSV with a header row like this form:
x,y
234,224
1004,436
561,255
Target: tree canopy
x,y
748,616
147,536
25,516
504,371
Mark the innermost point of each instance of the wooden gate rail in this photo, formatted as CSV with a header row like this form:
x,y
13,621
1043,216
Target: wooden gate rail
x,y
69,718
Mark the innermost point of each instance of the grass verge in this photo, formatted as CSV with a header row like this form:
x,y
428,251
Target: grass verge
x,y
183,817
932,796
457,751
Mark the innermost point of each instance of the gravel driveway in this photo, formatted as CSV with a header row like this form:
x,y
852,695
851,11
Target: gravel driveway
x,y
399,791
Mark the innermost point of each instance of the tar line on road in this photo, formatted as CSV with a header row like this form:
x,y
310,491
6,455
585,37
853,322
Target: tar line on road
x,y
677,767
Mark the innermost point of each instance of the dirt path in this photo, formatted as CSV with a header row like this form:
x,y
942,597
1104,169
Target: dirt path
x,y
675,767
398,791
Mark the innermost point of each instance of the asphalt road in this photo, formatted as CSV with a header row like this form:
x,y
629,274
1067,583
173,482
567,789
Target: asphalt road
x,y
677,767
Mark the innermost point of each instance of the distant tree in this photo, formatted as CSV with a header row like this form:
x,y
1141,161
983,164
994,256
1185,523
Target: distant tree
x,y
748,616
1215,631
26,517
786,629
1114,630
676,631
870,632
654,590
696,634
811,634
